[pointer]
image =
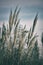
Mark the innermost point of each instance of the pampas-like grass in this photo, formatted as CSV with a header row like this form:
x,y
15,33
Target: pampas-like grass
x,y
13,55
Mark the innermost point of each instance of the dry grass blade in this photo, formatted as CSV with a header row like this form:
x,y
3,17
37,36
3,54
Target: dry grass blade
x,y
18,11
15,20
14,14
23,31
29,36
10,21
17,24
33,39
34,24
21,43
15,31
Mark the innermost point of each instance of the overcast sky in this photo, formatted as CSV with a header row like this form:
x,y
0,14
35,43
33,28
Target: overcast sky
x,y
29,8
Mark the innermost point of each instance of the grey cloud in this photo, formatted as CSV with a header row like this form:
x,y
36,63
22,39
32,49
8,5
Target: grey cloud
x,y
12,3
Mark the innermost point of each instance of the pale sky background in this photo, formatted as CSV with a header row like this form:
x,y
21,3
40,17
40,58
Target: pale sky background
x,y
29,8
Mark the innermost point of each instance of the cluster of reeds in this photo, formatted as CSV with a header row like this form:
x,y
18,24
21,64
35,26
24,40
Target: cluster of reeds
x,y
13,53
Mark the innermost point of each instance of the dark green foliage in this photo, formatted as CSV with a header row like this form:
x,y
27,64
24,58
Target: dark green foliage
x,y
40,61
42,38
35,54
